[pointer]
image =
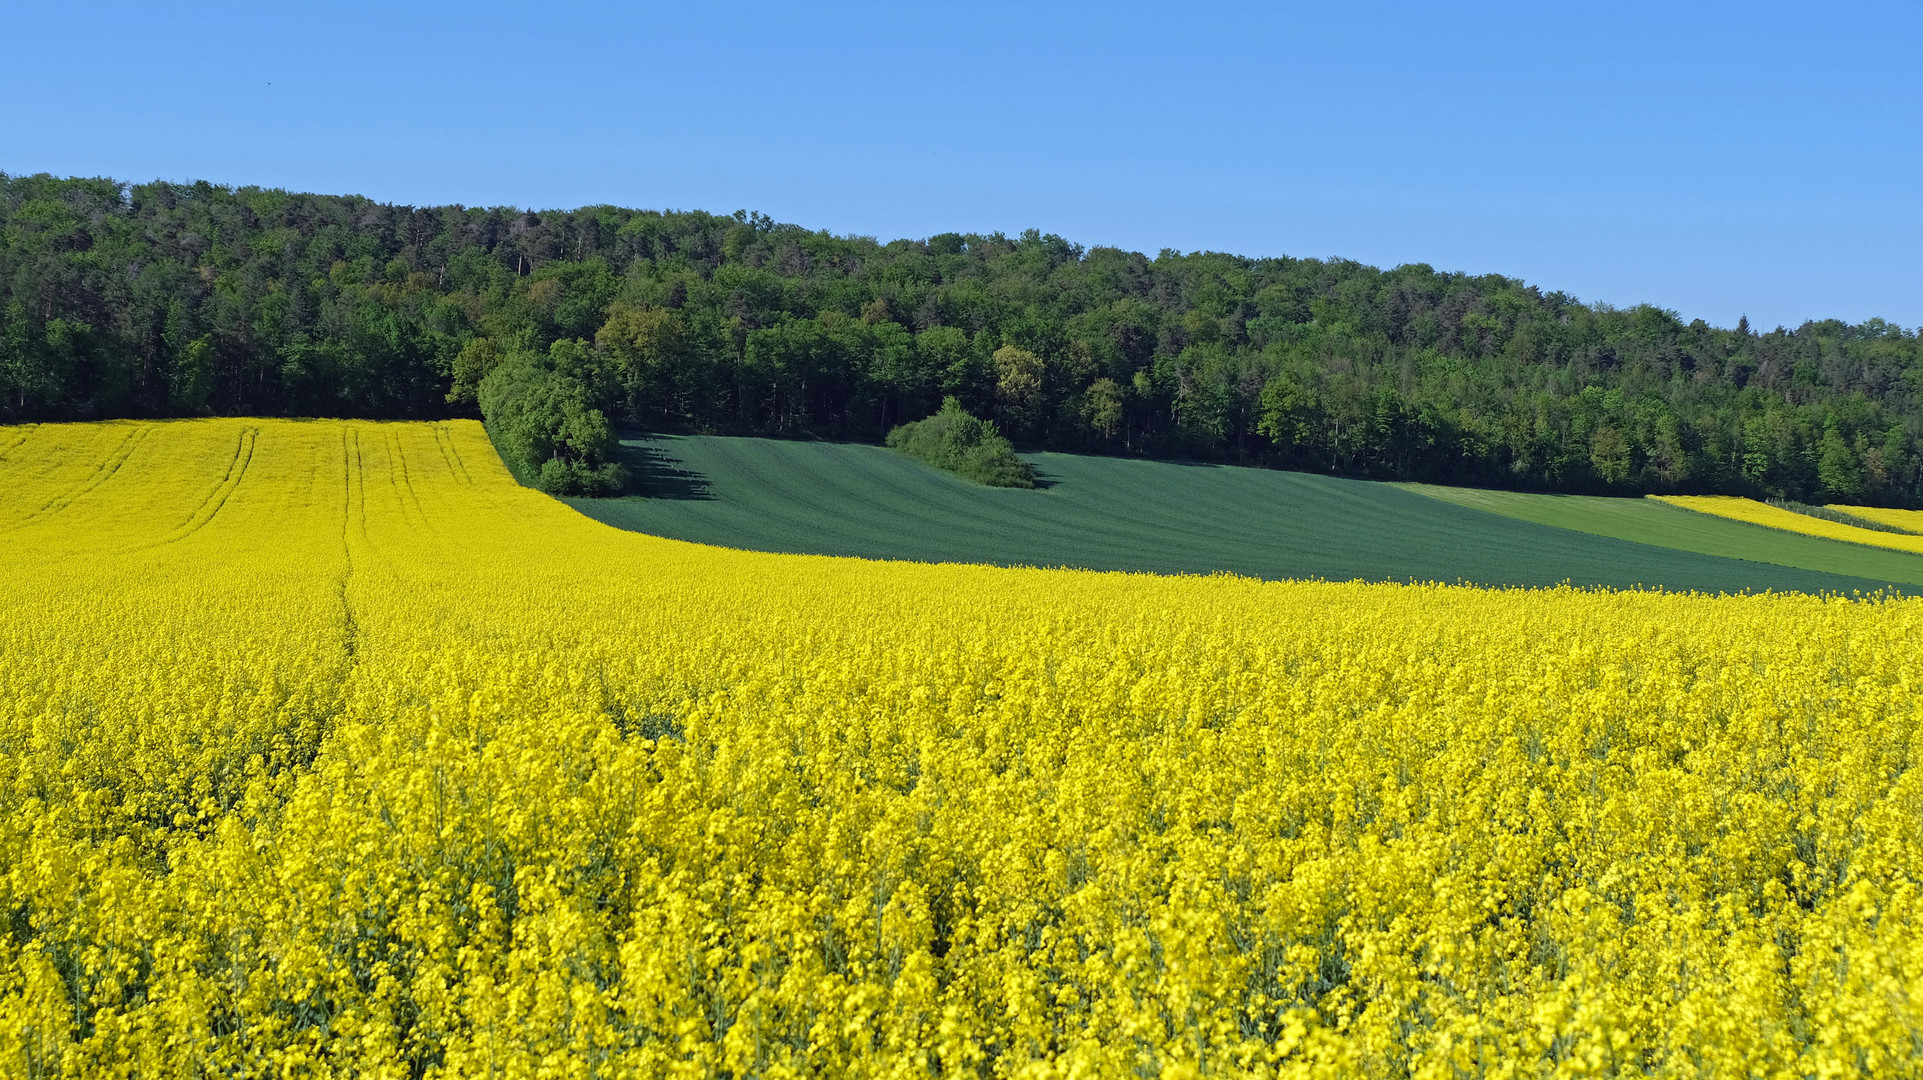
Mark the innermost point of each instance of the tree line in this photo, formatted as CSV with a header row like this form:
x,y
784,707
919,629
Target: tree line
x,y
193,299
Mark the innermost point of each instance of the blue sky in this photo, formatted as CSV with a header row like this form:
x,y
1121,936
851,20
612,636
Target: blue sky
x,y
1715,159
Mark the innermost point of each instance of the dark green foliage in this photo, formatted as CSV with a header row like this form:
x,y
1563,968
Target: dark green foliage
x,y
965,445
542,418
1111,513
184,299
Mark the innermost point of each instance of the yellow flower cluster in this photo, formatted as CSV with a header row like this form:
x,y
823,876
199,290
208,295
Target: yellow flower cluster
x,y
1776,517
326,750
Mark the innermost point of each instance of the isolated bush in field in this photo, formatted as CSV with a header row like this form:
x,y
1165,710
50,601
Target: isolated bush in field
x,y
953,439
540,412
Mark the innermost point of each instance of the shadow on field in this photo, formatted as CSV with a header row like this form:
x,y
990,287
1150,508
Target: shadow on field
x,y
1042,477
658,475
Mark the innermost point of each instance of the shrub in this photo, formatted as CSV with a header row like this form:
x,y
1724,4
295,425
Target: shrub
x,y
952,439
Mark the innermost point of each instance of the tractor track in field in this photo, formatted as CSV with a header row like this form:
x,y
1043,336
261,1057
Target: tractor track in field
x,y
102,473
397,475
350,624
358,472
451,453
216,500
26,432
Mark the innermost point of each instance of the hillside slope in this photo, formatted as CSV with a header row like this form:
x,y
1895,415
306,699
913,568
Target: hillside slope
x,y
161,299
1121,514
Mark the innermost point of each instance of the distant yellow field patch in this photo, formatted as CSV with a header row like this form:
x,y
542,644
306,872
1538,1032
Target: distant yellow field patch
x,y
1775,517
1908,520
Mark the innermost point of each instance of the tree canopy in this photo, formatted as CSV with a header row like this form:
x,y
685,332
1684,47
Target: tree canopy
x,y
194,299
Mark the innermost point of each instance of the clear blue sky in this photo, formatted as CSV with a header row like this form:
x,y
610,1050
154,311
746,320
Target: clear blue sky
x,y
1716,159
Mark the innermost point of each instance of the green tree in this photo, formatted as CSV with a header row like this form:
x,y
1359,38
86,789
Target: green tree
x,y
1289,416
545,425
652,356
471,365
1838,469
1018,385
1609,455
1104,407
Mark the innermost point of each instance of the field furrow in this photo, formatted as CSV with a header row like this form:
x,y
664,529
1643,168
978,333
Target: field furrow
x,y
105,471
216,499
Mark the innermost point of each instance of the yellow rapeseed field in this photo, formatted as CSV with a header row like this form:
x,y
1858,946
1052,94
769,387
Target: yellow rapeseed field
x,y
326,750
1776,517
1909,520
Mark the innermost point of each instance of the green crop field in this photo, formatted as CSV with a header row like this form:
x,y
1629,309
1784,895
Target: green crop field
x,y
1123,514
1647,521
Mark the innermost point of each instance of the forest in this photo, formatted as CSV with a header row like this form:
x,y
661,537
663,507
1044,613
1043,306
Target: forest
x,y
561,327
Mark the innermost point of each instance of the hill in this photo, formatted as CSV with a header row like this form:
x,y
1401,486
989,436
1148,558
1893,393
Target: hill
x,y
194,299
1122,514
